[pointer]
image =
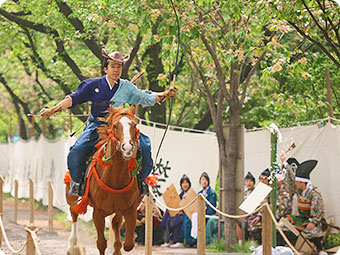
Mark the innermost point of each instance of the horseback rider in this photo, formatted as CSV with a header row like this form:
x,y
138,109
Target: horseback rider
x,y
103,92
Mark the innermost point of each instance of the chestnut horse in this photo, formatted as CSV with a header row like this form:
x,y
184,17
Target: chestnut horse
x,y
111,186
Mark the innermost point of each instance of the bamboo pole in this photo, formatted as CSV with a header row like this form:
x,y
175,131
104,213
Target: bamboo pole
x,y
329,95
32,127
201,245
31,202
148,225
30,248
50,207
273,193
43,126
1,205
267,227
16,188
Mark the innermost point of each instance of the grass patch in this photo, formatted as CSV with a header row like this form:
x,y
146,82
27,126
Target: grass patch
x,y
218,246
87,227
6,196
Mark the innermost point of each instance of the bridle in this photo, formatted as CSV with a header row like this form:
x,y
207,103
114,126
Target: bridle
x,y
111,136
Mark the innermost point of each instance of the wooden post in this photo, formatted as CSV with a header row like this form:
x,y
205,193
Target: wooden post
x,y
31,201
201,227
148,225
50,207
266,232
329,95
1,206
30,248
16,187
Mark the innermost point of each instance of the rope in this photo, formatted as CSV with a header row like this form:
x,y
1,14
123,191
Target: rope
x,y
39,186
7,241
229,215
169,208
35,239
24,185
278,227
56,198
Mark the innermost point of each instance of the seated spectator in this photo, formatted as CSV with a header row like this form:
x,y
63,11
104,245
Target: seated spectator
x,y
254,221
173,225
157,214
210,194
249,183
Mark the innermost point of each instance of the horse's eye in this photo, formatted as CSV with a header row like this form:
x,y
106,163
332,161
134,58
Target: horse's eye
x,y
115,126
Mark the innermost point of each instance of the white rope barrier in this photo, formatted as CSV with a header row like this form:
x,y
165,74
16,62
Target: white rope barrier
x,y
40,186
169,208
278,227
24,185
35,239
266,206
229,215
7,241
56,197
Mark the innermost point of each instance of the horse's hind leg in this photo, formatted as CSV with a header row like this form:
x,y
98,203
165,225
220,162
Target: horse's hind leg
x,y
99,222
130,225
116,223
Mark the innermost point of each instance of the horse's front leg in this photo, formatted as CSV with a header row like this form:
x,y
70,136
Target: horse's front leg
x,y
99,222
116,224
130,216
73,248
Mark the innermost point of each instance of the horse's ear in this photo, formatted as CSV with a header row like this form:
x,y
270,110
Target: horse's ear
x,y
132,109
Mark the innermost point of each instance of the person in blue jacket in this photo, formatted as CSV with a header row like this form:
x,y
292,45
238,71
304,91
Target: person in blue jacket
x,y
210,194
103,92
173,225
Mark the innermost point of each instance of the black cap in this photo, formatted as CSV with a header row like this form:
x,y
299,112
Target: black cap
x,y
293,163
206,176
305,168
251,177
266,172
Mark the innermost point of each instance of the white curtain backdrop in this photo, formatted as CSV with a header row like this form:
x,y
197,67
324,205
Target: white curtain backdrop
x,y
44,160
312,142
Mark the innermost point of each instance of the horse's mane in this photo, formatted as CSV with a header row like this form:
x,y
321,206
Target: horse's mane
x,y
102,130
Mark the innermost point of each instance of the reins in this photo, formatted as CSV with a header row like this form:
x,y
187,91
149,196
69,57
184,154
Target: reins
x,y
98,157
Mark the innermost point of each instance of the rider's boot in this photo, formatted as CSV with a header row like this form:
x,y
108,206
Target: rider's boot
x,y
143,186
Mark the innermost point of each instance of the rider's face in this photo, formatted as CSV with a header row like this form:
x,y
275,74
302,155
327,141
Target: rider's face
x,y
113,70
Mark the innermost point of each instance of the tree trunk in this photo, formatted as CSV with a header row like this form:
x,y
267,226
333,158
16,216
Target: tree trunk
x,y
229,165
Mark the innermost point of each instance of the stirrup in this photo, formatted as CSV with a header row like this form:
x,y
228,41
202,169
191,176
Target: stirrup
x,y
75,188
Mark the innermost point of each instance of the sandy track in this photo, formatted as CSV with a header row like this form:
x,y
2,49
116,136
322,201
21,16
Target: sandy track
x,y
55,243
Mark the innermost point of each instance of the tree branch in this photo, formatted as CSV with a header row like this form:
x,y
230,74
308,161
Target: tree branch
x,y
315,42
50,31
78,25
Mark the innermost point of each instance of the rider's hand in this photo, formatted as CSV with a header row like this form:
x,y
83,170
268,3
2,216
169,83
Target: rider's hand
x,y
171,92
48,112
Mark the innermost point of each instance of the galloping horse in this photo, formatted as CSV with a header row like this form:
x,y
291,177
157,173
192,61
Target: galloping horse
x,y
112,186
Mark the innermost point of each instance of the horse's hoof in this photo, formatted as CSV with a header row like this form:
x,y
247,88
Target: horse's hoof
x,y
128,247
76,250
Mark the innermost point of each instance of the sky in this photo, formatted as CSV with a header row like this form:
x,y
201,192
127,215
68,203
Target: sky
x,y
1,1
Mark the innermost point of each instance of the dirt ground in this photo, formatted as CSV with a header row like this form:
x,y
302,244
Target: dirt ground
x,y
56,242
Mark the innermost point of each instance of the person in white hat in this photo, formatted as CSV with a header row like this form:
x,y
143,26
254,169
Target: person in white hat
x,y
103,92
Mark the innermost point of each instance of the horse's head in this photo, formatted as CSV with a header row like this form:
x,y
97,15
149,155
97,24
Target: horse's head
x,y
121,132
